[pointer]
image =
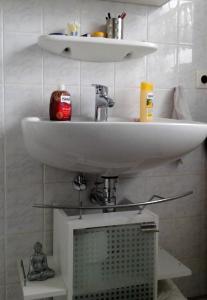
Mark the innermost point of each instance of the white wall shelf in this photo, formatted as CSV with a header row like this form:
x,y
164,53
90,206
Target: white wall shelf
x,y
144,2
53,287
95,49
169,267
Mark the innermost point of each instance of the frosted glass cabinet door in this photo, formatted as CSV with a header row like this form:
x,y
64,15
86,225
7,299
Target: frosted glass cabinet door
x,y
114,262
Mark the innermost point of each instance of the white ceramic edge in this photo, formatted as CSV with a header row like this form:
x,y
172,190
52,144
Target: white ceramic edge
x,y
93,49
144,2
159,121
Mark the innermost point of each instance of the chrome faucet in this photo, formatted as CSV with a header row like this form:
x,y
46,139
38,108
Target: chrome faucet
x,y
102,103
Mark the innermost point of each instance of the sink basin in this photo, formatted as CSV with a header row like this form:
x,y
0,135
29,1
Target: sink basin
x,y
110,148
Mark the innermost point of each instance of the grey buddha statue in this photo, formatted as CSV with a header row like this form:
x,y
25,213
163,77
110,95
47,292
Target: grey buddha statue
x,y
38,267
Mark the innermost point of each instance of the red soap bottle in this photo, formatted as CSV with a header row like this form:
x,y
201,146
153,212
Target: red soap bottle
x,y
60,105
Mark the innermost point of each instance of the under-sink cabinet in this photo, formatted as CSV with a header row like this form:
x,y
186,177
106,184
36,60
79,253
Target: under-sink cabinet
x,y
105,255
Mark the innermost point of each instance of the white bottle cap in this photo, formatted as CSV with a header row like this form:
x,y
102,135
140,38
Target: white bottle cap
x,y
62,87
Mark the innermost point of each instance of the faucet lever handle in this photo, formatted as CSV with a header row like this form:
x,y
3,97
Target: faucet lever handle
x,y
101,89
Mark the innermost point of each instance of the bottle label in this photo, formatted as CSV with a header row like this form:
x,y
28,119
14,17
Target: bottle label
x,y
60,106
63,111
65,99
149,105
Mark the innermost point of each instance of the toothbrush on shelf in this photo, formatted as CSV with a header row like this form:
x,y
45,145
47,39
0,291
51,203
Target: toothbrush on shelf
x,y
123,15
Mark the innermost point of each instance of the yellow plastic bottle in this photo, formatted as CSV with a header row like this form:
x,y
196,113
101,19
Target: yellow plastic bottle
x,y
146,102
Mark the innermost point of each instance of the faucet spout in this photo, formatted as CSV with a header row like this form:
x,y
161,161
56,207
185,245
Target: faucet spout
x,y
102,103
111,102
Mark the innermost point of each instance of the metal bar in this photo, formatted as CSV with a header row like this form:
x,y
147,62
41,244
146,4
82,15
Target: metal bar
x,y
156,196
23,271
138,205
80,205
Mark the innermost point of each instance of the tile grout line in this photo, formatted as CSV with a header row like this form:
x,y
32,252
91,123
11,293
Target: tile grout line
x,y
146,59
87,86
114,83
4,154
178,22
43,166
178,37
80,63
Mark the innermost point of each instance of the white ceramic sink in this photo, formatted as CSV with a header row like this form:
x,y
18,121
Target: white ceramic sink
x,y
110,148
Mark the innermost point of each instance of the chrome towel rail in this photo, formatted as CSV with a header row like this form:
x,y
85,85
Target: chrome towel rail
x,y
140,206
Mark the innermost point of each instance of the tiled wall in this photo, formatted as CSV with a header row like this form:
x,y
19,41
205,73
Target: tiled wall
x,y
27,77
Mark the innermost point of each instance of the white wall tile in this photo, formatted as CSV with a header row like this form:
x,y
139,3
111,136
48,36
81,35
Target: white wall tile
x,y
22,59
199,47
199,19
187,68
170,186
101,73
197,103
127,103
88,101
2,215
191,286
203,277
58,175
162,67
130,73
2,292
58,13
135,22
22,16
61,193
191,163
1,52
14,292
163,23
2,161
1,111
21,216
21,168
167,235
58,69
181,237
187,236
2,263
132,189
163,103
48,242
1,137
1,15
165,187
185,21
21,101
48,224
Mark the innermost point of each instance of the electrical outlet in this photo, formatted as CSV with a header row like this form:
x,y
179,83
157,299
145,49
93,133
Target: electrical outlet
x,y
201,79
